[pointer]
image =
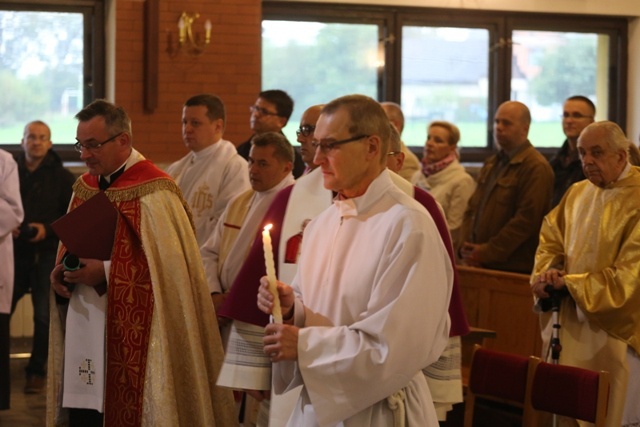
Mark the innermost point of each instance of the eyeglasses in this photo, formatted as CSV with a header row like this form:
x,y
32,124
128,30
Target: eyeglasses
x,y
262,111
393,153
576,116
94,147
325,147
305,130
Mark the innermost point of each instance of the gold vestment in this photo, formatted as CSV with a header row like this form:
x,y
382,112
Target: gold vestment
x,y
594,235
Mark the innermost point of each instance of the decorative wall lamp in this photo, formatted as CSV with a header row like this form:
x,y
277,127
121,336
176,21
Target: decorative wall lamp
x,y
188,41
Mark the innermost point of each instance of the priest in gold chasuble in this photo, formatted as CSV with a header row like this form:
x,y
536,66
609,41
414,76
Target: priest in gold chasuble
x,y
590,246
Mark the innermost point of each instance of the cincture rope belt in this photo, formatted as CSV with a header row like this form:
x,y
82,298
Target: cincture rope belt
x,y
396,403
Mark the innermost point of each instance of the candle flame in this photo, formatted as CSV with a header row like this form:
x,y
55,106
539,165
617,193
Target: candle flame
x,y
268,227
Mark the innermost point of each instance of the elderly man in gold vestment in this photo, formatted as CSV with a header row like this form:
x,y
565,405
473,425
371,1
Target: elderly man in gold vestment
x,y
590,245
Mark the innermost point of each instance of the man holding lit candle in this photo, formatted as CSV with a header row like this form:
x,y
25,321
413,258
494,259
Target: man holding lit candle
x,y
270,164
290,211
361,321
269,171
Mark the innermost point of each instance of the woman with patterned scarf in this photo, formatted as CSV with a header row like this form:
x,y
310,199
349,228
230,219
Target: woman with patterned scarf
x,y
442,174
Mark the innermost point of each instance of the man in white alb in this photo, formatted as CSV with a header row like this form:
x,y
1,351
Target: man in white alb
x,y
360,320
213,172
270,165
11,215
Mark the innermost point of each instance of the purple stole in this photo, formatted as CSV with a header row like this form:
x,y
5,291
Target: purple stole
x,y
459,324
240,304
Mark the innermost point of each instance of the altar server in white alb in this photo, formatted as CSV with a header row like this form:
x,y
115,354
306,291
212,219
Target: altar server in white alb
x,y
213,172
367,309
270,164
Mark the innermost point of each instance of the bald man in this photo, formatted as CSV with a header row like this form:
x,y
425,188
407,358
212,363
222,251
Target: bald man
x,y
515,186
305,135
411,162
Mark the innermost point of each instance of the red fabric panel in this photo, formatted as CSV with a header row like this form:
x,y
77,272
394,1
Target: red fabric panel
x,y
498,374
565,390
459,323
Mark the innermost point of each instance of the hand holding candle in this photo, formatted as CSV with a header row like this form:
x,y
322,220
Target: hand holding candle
x,y
271,273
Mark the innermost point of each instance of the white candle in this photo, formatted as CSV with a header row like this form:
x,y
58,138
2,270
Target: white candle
x,y
271,273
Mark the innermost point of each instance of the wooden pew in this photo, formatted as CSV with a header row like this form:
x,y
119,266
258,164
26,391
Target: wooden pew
x,y
475,336
501,302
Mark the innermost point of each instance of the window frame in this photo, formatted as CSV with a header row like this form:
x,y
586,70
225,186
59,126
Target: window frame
x,y
500,24
617,30
320,12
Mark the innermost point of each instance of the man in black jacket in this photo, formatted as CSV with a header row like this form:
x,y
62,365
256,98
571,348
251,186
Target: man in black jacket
x,y
578,113
45,189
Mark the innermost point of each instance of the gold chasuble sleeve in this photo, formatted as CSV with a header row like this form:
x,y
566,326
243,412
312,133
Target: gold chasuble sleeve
x,y
185,350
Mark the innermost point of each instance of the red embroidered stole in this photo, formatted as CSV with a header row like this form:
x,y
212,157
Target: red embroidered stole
x,y
129,312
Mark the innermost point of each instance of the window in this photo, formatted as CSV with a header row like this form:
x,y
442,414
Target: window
x,y
550,66
455,65
48,70
313,64
445,75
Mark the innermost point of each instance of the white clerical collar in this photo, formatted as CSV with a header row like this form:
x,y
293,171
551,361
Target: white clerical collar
x,y
205,152
624,172
352,206
286,181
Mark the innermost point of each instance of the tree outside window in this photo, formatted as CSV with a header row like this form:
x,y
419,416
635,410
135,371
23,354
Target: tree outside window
x,y
41,72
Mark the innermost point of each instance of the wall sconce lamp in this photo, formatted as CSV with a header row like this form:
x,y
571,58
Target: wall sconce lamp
x,y
188,42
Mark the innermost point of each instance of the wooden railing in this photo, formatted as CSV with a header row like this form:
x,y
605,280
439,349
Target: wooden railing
x,y
501,302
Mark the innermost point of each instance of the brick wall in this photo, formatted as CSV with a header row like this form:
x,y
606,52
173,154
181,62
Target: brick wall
x,y
230,68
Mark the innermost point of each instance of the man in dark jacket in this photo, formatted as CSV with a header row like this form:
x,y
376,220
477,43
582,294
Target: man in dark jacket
x,y
271,113
578,112
45,189
502,221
